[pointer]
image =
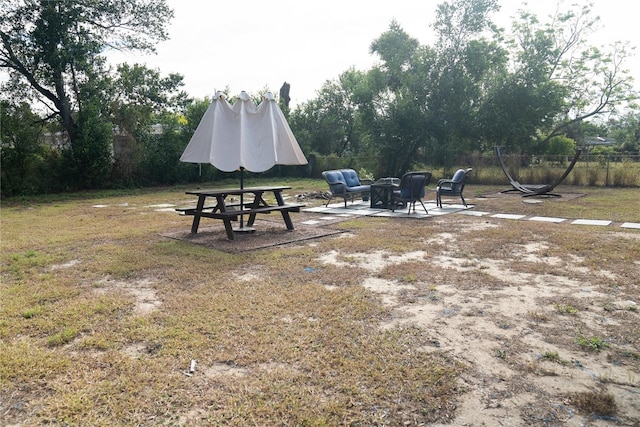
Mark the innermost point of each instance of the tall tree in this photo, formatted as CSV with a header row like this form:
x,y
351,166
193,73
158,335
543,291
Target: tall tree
x,y
329,123
427,97
558,80
468,57
474,88
52,50
626,130
20,148
392,109
138,96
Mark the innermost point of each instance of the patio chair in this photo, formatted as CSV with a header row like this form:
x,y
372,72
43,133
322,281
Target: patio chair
x,y
412,190
452,187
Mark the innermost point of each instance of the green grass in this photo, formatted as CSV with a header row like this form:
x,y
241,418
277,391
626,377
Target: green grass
x,y
587,174
615,204
68,291
63,337
566,309
554,356
591,343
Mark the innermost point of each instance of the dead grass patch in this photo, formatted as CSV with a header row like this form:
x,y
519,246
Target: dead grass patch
x,y
455,319
599,402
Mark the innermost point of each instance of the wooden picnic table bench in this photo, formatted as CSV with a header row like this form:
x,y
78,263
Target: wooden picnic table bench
x,y
228,212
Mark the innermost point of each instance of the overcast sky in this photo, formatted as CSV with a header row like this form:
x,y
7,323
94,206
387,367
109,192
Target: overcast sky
x,y
252,44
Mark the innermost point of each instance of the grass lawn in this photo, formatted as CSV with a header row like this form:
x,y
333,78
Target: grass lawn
x,y
453,319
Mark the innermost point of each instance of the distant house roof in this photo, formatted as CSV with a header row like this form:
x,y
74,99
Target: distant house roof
x,y
599,140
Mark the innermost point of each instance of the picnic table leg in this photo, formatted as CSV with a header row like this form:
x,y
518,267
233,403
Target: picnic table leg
x,y
228,229
279,197
196,214
287,219
257,200
285,213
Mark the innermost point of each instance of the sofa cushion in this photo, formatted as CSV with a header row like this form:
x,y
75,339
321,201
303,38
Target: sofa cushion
x,y
334,177
359,189
335,180
350,177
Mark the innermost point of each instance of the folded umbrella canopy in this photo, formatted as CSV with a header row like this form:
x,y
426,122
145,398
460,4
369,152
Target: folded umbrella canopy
x,y
243,136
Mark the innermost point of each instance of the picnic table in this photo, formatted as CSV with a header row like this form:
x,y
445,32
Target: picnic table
x,y
228,209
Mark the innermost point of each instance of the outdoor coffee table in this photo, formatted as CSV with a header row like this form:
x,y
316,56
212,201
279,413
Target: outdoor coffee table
x,y
382,192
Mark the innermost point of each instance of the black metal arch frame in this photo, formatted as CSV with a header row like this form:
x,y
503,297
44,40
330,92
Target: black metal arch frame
x,y
529,190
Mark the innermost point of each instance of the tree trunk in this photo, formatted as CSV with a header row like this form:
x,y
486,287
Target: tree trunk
x,y
284,94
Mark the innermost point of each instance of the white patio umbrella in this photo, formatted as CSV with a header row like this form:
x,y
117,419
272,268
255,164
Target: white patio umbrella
x,y
242,137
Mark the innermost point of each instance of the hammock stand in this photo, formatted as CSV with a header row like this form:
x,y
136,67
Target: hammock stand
x,y
530,190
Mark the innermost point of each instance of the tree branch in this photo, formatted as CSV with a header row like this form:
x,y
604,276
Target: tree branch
x,y
14,63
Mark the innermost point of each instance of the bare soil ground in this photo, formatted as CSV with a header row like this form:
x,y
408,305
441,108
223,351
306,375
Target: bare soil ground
x,y
517,329
550,335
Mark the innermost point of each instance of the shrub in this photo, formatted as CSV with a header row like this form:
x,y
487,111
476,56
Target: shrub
x,y
625,176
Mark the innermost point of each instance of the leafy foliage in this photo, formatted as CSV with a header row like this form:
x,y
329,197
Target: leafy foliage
x,y
89,157
21,147
53,53
533,89
476,87
560,145
330,124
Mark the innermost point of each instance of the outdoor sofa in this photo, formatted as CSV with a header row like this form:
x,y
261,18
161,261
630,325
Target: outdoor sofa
x,y
346,184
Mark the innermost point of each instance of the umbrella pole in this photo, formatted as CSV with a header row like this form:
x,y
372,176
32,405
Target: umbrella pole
x,y
241,197
242,228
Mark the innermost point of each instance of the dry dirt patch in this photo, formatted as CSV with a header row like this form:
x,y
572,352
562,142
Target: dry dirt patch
x,y
141,290
521,336
268,233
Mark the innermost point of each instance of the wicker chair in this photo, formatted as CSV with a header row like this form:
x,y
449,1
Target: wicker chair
x,y
411,190
452,187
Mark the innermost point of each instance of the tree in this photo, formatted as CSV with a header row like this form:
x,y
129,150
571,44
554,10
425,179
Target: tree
x,y
392,110
20,149
138,97
515,111
469,58
89,158
329,124
52,51
427,98
567,79
472,89
162,150
560,147
626,130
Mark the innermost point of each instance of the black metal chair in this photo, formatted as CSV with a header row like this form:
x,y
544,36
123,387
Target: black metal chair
x,y
412,189
452,187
